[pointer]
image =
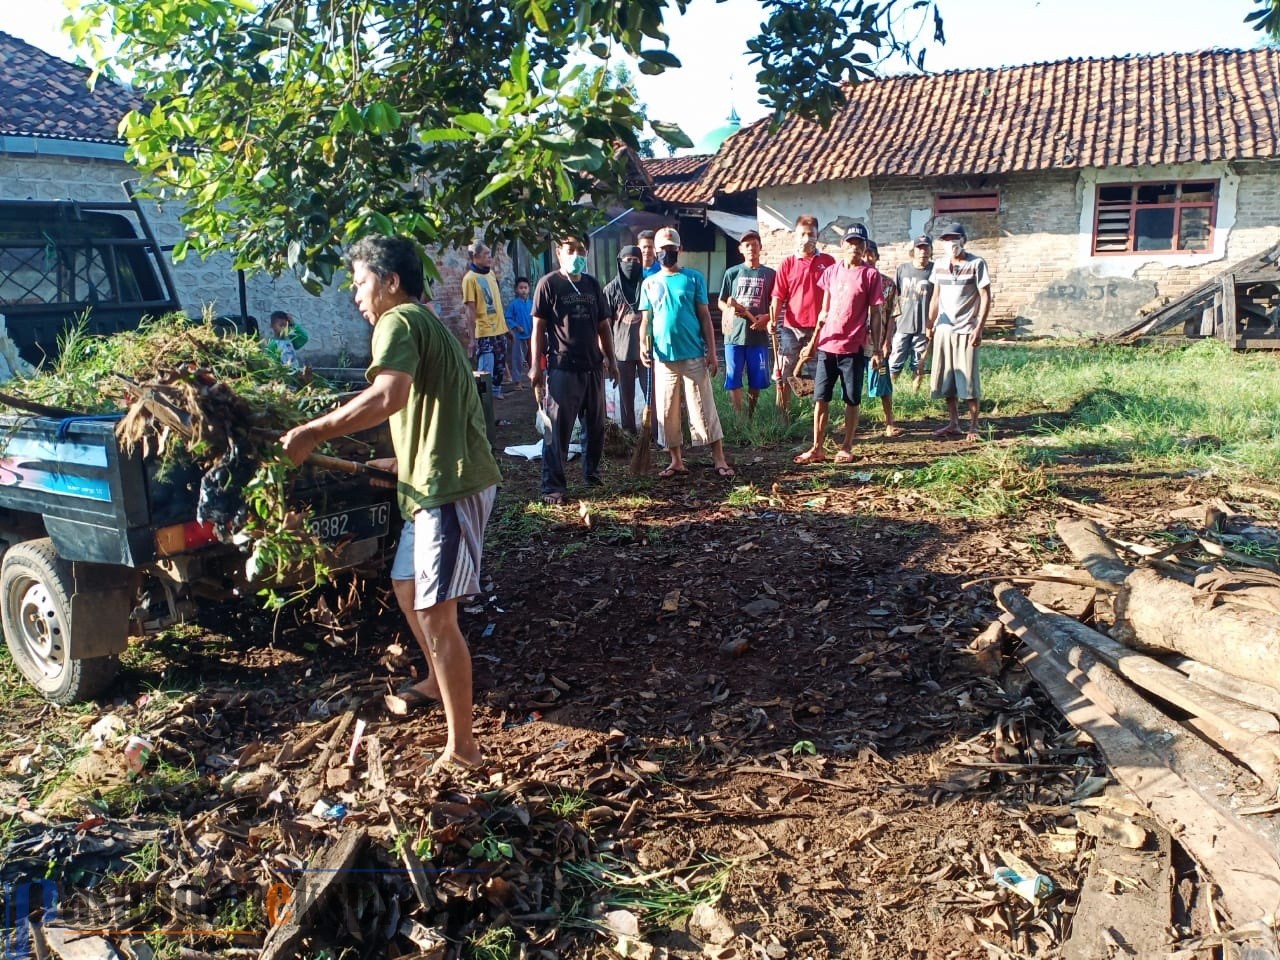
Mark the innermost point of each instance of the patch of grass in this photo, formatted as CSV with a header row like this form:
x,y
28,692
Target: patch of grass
x,y
569,803
1186,406
495,943
992,482
151,791
569,549
743,496
662,899
521,522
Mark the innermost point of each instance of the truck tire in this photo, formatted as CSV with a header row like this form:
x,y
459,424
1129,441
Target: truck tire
x,y
35,609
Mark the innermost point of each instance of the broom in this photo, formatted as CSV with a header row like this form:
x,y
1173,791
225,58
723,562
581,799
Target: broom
x,y
642,459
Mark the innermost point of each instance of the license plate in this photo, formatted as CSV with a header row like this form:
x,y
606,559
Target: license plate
x,y
358,523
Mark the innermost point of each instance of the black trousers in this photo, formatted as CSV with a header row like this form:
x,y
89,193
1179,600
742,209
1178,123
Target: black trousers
x,y
571,394
629,371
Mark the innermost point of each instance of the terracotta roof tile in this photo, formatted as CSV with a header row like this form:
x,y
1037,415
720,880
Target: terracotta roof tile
x,y
43,96
678,179
1124,111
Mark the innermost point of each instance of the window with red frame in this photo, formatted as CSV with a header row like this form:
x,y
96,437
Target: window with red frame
x,y
1166,217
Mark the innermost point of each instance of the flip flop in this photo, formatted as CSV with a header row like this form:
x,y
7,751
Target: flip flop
x,y
843,456
449,762
808,457
894,431
948,431
412,699
726,472
670,472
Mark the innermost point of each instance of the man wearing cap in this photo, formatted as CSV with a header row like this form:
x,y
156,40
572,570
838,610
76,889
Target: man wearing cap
x,y
957,313
623,294
745,294
851,320
676,339
915,293
796,291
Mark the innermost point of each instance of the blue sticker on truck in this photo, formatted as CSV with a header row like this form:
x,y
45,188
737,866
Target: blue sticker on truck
x,y
60,451
28,476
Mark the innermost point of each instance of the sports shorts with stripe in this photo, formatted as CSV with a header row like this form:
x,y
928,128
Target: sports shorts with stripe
x,y
441,547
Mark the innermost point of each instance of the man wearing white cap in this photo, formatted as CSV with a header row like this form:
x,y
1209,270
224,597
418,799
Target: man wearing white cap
x,y
677,340
957,313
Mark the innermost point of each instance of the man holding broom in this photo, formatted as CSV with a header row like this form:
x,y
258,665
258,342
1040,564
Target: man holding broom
x,y
420,380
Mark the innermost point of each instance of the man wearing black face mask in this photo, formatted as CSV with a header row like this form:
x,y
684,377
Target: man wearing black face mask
x,y
623,294
571,346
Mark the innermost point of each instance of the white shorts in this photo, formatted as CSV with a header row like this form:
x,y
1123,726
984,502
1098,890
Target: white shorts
x,y
440,549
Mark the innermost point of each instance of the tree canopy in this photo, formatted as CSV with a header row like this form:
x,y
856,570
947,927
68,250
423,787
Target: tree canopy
x,y
290,127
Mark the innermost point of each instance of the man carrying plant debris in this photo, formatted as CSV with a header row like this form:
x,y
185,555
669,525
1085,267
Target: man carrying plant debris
x,y
421,381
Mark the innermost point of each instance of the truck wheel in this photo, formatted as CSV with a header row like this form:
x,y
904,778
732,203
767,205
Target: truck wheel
x,y
35,608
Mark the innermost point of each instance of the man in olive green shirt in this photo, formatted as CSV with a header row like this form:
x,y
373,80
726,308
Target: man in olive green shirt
x,y
421,381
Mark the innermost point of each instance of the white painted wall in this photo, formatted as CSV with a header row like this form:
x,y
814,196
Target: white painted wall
x,y
337,330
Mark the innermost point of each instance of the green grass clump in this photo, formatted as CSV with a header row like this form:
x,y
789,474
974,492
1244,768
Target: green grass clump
x,y
662,899
1186,406
992,482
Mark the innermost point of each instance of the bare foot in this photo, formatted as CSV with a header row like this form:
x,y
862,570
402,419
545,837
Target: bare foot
x,y
892,430
844,456
812,455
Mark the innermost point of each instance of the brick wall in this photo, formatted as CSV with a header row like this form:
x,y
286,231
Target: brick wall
x,y
1044,277
338,333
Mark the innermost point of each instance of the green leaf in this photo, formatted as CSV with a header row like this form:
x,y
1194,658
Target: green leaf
x,y
496,184
660,58
671,133
443,133
476,122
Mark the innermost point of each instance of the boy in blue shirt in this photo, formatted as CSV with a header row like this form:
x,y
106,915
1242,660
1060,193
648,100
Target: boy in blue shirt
x,y
520,323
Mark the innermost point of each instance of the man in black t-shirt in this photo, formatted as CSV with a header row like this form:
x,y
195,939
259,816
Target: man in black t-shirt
x,y
571,345
910,342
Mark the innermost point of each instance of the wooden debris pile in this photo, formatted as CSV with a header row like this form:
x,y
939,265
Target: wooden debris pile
x,y
1171,665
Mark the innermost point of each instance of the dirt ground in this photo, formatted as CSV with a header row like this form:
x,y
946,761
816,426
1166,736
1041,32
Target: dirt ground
x,y
777,679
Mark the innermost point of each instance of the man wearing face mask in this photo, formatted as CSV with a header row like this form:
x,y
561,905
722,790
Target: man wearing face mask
x,y
677,340
572,342
796,290
957,314
623,294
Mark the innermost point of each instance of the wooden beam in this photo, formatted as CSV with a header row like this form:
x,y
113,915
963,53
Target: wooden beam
x,y
1229,331
1250,883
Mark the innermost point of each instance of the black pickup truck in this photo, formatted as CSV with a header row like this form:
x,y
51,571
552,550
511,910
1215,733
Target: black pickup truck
x,y
98,542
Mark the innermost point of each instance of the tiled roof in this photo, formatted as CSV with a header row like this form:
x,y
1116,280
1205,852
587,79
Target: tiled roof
x,y
678,179
1129,111
43,96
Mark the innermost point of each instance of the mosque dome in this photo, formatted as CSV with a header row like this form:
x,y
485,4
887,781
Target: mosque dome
x,y
711,142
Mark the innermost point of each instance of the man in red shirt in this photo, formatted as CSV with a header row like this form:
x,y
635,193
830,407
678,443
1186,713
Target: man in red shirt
x,y
797,298
851,321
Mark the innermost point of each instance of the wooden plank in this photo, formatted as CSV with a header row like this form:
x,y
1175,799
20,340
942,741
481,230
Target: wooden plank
x,y
1250,885
1126,901
314,888
1229,331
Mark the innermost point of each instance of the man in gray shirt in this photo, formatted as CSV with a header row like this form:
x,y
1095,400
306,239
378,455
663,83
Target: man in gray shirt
x,y
957,313
915,292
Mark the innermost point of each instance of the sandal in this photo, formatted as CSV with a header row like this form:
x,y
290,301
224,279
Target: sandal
x,y
844,456
809,456
407,700
670,472
893,430
948,431
449,762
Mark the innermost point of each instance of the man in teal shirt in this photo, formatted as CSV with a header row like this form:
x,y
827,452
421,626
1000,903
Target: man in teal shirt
x,y
677,340
421,381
